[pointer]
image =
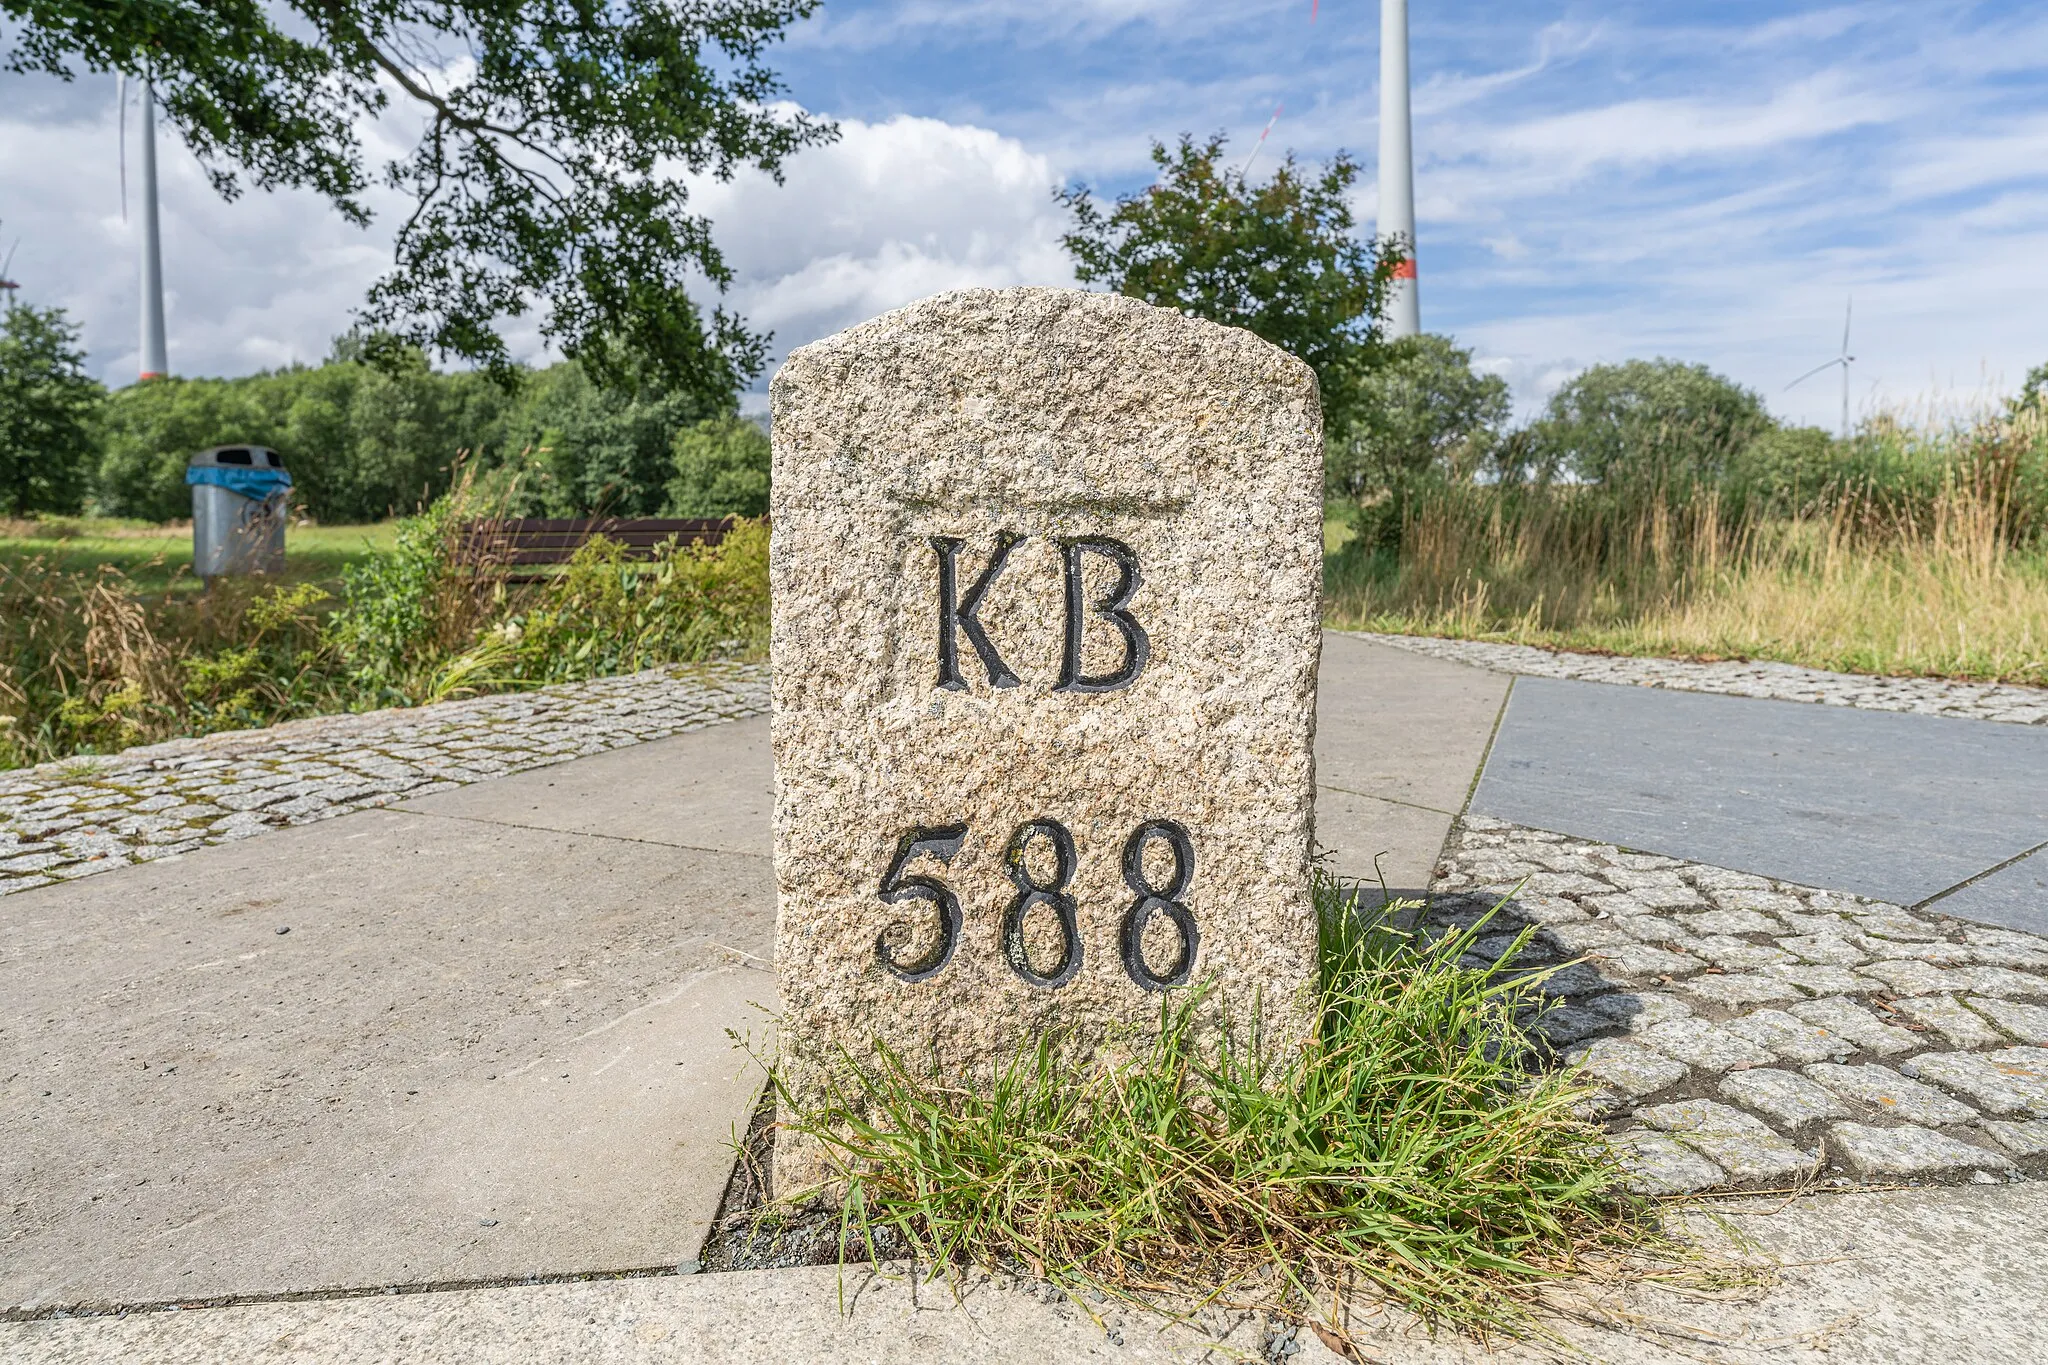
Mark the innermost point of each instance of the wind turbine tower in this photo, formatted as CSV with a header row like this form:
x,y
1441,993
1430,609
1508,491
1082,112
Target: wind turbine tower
x,y
155,363
1397,166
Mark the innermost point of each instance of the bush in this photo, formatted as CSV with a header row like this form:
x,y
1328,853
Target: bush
x,y
1422,410
90,664
578,449
47,404
606,615
1647,422
721,469
362,443
1785,469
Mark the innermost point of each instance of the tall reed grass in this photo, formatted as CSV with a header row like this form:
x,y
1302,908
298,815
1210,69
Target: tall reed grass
x,y
1921,555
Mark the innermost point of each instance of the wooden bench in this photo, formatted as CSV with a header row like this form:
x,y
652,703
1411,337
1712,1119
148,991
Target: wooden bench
x,y
523,545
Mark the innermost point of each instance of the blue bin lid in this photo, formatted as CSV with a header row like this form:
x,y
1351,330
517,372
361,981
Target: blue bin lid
x,y
250,483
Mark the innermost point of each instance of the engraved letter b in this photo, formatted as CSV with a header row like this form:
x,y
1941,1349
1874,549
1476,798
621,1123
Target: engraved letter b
x,y
1137,649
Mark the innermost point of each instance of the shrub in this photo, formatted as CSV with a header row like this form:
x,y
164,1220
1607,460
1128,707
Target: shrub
x,y
1657,423
721,469
1422,410
605,614
580,449
1785,469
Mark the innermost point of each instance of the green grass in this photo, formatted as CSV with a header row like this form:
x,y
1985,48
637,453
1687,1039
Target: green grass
x,y
1404,1149
152,556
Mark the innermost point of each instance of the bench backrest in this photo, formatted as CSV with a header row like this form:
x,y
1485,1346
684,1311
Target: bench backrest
x,y
555,540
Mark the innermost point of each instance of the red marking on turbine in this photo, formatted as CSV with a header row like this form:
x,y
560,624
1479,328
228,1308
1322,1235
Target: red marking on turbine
x,y
1312,4
1405,270
1269,125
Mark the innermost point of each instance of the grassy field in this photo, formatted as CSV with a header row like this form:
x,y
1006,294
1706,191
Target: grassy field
x,y
1950,596
155,558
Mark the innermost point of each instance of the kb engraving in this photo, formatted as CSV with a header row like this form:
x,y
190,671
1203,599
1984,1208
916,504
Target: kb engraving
x,y
943,842
960,614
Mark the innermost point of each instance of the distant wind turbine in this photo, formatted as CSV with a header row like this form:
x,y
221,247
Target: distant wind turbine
x,y
7,282
1397,166
1845,360
155,358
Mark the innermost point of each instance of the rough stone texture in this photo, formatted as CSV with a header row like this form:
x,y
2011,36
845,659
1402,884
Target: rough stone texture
x,y
1951,1019
1785,1096
1659,1164
86,815
2014,1081
2023,1140
1856,1024
1042,414
1891,1094
1792,1039
2028,1023
1635,1070
1748,678
1875,1153
1700,1044
1739,1143
1666,1038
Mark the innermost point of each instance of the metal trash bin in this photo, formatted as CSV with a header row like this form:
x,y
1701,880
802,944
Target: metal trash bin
x,y
239,496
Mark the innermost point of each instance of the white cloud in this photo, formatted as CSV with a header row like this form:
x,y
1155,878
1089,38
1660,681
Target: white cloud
x,y
890,213
259,282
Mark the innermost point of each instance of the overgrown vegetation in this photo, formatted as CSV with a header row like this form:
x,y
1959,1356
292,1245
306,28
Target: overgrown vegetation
x,y
1405,1148
1899,551
365,441
92,662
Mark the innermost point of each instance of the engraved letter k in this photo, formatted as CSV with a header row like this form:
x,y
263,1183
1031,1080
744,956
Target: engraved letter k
x,y
961,614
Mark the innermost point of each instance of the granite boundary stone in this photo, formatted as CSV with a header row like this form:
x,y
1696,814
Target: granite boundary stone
x,y
1046,575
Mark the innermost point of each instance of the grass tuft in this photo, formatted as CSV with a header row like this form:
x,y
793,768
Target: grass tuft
x,y
1404,1149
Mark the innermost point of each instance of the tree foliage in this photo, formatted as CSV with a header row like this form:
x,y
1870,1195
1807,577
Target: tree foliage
x,y
1644,421
546,174
1277,259
1423,410
47,404
365,442
2033,393
721,469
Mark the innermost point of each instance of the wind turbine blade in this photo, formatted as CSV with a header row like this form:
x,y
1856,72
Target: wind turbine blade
x,y
1846,312
1268,132
1828,365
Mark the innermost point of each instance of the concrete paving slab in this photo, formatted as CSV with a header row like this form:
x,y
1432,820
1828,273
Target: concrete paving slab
x,y
1382,845
1399,738
1402,726
478,1052
2013,897
1913,1277
1899,807
712,789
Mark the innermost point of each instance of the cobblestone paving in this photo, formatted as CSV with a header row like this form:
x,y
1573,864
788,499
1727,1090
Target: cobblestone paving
x,y
1780,682
1746,1032
71,819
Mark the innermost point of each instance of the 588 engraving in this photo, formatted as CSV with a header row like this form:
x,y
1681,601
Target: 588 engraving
x,y
944,842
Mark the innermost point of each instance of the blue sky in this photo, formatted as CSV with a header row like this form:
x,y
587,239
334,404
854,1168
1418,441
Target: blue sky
x,y
1594,180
